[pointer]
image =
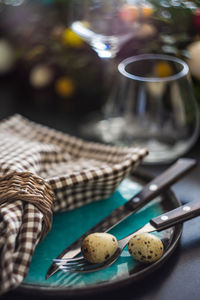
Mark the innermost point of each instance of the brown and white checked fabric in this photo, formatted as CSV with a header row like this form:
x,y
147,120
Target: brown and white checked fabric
x,y
78,172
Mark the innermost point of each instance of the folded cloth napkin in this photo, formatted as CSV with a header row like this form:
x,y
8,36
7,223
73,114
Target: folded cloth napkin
x,y
44,171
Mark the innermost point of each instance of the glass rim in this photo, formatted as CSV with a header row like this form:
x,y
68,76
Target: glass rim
x,y
124,63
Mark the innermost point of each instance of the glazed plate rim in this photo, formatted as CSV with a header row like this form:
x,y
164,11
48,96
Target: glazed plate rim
x,y
121,281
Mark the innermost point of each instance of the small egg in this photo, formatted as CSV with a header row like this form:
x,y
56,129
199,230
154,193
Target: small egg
x,y
98,247
145,247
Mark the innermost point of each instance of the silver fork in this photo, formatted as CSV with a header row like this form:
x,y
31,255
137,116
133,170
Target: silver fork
x,y
164,221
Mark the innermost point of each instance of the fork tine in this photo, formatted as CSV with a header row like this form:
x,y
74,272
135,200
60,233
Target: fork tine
x,y
72,264
84,268
68,260
69,263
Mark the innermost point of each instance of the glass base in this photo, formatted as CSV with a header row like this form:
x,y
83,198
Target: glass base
x,y
162,149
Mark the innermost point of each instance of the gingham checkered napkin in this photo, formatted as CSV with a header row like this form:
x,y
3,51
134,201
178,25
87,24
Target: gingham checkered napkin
x,y
78,172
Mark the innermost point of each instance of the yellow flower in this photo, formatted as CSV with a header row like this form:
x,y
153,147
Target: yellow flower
x,y
147,11
163,69
72,39
65,87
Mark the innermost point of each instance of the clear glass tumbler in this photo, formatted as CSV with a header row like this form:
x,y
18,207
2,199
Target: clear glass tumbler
x,y
152,105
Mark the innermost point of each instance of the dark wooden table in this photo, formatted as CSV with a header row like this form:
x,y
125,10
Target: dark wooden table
x,y
179,277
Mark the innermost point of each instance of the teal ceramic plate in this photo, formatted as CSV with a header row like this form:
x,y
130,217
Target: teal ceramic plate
x,y
70,225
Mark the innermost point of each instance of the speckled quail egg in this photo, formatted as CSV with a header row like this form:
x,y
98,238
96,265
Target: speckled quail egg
x,y
98,247
145,247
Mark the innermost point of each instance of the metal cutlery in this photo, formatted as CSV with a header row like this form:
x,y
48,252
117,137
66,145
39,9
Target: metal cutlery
x,y
164,221
154,188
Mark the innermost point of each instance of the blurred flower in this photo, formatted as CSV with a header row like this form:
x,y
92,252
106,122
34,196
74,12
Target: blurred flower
x,y
194,61
71,39
146,30
155,89
41,76
6,56
130,13
147,11
163,69
65,87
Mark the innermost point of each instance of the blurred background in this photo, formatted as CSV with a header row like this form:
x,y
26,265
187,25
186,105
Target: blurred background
x,y
47,70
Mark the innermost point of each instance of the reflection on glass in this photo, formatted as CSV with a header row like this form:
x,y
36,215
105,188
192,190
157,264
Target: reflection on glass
x,y
153,106
106,25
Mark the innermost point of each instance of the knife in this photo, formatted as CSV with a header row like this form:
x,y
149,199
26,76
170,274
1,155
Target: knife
x,y
151,190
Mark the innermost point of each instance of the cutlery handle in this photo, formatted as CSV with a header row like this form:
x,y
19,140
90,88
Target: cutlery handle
x,y
149,192
161,182
177,215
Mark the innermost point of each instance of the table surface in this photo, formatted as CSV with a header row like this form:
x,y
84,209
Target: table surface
x,y
179,277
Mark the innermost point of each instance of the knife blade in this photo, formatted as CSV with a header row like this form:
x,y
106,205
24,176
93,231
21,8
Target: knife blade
x,y
151,190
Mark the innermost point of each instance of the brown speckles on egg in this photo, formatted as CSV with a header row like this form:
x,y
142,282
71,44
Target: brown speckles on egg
x,y
107,256
85,250
100,246
146,247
